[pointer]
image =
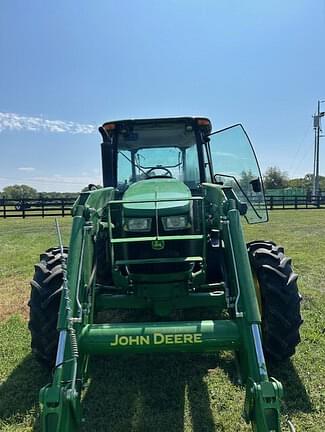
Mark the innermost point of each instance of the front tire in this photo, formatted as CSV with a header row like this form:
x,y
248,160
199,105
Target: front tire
x,y
280,299
44,303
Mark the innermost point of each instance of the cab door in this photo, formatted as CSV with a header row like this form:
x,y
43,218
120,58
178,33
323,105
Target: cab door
x,y
234,164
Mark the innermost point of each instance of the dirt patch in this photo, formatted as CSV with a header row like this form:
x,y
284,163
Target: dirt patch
x,y
14,296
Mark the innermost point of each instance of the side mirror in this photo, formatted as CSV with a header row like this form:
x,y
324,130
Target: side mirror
x,y
256,185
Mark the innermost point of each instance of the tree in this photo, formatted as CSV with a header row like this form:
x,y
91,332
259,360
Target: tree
x,y
306,182
274,178
92,187
309,178
245,180
19,192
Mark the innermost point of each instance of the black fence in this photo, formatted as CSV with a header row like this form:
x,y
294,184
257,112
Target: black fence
x,y
285,202
35,207
62,206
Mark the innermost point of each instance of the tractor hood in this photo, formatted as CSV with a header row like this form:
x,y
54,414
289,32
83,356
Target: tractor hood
x,y
157,189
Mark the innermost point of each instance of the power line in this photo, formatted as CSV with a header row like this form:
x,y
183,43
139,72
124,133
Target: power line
x,y
318,129
296,163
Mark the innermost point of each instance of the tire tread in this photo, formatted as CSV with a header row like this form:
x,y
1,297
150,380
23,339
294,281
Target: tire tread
x,y
46,289
281,300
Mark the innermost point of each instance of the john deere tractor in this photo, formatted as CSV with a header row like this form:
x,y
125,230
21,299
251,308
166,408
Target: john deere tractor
x,y
164,236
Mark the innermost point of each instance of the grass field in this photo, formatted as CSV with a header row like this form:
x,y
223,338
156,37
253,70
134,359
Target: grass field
x,y
163,393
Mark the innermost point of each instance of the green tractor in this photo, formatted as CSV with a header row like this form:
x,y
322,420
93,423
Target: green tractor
x,y
164,236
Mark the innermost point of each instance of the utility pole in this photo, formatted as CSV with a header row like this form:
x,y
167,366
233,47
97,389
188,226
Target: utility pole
x,y
318,129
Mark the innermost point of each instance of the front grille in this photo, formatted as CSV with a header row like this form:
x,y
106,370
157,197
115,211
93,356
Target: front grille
x,y
172,249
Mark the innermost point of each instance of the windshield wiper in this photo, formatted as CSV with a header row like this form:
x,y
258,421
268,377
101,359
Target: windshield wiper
x,y
162,166
133,163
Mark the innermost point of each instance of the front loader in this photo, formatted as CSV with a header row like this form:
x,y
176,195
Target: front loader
x,y
164,236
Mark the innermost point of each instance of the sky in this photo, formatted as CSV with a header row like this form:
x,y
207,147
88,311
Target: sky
x,y
67,67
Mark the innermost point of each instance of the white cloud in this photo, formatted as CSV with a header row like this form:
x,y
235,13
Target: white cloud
x,y
26,169
17,122
58,179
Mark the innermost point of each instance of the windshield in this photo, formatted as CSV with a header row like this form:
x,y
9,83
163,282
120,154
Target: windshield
x,y
163,152
235,165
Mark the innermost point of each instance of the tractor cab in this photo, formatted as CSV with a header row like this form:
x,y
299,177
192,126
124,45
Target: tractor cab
x,y
154,149
176,156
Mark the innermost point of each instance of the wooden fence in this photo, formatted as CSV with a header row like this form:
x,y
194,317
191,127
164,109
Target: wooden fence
x,y
35,207
284,202
62,206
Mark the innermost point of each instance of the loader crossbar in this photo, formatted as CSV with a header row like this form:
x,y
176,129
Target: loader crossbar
x,y
196,336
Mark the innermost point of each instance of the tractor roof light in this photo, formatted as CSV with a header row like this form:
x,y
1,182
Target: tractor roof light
x,y
203,122
109,126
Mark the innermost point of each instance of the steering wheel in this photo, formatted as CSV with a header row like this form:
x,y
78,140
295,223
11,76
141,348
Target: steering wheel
x,y
158,167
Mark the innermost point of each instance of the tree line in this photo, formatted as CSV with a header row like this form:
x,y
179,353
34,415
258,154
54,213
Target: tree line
x,y
274,178
19,192
23,191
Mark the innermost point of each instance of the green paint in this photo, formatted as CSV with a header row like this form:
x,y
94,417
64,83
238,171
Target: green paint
x,y
154,191
201,336
158,244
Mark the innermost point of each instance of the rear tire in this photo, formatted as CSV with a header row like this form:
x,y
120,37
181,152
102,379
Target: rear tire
x,y
44,303
280,299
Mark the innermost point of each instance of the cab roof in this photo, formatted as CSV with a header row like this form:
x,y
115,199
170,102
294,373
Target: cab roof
x,y
201,121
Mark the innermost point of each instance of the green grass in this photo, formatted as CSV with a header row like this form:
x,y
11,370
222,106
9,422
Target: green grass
x,y
163,392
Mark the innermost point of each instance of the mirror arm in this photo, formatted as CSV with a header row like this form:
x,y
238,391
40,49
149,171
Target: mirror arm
x,y
240,188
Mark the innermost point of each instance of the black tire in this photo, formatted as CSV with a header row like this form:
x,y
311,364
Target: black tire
x,y
46,288
280,299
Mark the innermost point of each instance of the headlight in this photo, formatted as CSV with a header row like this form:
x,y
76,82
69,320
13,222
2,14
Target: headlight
x,y
137,224
175,222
